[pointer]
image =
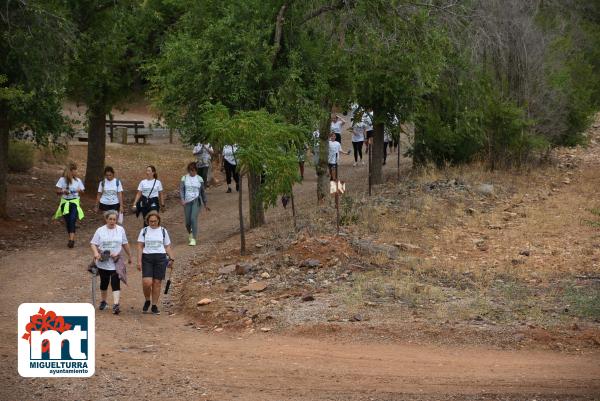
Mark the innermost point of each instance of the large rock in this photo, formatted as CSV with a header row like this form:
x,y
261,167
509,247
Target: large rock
x,y
204,301
227,269
311,263
243,268
372,248
485,189
255,287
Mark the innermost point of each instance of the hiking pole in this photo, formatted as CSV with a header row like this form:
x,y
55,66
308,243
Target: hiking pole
x,y
94,271
168,285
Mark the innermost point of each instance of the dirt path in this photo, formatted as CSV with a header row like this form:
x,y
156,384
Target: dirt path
x,y
149,357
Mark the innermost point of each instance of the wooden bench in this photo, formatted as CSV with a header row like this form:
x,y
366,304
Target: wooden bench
x,y
112,124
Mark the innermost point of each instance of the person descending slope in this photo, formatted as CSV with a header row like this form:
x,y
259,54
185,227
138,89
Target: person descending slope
x,y
70,187
193,196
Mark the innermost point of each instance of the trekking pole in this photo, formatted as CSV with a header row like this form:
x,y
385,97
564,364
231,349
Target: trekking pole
x,y
94,274
168,285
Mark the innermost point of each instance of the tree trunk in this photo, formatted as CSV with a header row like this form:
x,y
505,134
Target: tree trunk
x,y
96,147
255,200
4,129
377,153
241,214
321,167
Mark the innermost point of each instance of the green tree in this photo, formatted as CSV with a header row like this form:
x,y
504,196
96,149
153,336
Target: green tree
x,y
109,52
35,43
264,143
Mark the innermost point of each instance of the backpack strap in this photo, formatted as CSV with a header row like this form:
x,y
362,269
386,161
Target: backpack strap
x,y
144,232
163,233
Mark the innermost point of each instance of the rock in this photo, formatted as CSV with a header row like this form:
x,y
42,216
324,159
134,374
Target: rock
x,y
495,227
356,318
265,329
470,211
407,247
307,298
525,252
219,329
204,301
256,287
519,337
258,246
485,189
372,248
227,269
243,268
265,275
312,263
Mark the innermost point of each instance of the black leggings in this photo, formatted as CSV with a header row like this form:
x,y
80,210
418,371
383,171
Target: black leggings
x,y
357,146
71,219
109,275
231,171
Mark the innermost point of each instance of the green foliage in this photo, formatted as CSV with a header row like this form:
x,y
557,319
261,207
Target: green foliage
x,y
20,156
584,300
265,144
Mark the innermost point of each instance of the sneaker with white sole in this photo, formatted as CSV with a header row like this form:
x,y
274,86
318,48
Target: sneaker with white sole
x,y
354,164
146,306
192,242
155,310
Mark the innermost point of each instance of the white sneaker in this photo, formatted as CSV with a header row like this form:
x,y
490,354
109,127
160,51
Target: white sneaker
x,y
354,164
192,242
362,162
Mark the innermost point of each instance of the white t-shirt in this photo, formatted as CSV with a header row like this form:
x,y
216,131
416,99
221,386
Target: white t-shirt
x,y
336,126
229,152
110,192
153,240
358,132
202,152
112,240
74,188
192,187
334,152
367,119
146,185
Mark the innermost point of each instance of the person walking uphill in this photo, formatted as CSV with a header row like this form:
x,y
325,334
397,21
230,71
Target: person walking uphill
x,y
193,196
203,152
107,243
333,157
230,166
149,195
70,187
110,192
154,255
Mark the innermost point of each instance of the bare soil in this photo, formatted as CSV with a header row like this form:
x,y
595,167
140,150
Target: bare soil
x,y
396,353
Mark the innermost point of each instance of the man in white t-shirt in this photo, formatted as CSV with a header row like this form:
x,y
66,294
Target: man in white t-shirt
x,y
335,148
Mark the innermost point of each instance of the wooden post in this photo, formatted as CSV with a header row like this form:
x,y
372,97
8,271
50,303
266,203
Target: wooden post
x,y
111,127
398,158
370,162
122,133
293,209
171,133
240,208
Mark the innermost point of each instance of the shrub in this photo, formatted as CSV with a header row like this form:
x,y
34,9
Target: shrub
x,y
20,156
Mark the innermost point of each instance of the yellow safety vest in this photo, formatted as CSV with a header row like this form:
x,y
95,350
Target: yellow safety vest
x,y
65,205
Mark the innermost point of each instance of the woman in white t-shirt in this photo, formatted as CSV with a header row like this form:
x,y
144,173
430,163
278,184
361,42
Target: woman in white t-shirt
x,y
358,137
154,255
193,196
336,127
203,152
69,186
230,166
107,243
110,192
149,194
333,157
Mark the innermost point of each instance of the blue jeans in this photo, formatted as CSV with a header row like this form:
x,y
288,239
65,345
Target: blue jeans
x,y
71,219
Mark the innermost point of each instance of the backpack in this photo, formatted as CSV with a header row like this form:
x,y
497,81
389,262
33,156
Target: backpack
x,y
201,180
146,229
102,184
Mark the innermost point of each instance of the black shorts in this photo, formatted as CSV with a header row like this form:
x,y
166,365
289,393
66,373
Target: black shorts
x,y
369,134
154,265
338,137
104,208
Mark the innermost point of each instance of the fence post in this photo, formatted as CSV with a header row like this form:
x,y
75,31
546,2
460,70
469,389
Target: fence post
x,y
123,134
171,133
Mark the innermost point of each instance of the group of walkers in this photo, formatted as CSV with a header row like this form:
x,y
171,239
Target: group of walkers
x,y
154,252
109,244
